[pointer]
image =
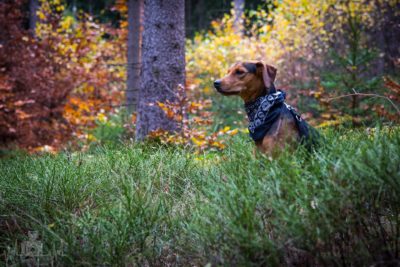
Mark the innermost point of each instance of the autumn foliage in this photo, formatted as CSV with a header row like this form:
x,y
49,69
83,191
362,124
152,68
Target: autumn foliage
x,y
393,95
55,85
33,93
194,119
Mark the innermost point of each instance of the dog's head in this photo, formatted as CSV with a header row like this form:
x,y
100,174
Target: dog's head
x,y
246,79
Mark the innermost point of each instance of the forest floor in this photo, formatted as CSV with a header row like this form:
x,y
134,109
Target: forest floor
x,y
154,205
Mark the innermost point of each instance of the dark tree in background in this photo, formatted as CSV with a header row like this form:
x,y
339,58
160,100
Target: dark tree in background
x,y
33,8
199,13
238,6
134,43
163,62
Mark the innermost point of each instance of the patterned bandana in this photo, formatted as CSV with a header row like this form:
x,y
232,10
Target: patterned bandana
x,y
265,110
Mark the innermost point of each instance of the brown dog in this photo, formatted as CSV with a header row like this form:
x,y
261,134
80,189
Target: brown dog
x,y
273,124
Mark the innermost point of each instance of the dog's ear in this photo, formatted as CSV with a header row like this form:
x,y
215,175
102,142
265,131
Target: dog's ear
x,y
268,73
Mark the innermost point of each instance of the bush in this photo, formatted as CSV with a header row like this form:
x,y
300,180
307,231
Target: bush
x,y
54,85
32,95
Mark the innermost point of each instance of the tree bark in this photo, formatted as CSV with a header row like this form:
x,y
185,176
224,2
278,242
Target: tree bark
x,y
391,30
33,7
163,63
134,45
90,7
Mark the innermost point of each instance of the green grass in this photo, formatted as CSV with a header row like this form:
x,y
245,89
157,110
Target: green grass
x,y
145,204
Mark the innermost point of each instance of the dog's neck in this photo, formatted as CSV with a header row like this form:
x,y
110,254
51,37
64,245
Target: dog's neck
x,y
252,97
252,94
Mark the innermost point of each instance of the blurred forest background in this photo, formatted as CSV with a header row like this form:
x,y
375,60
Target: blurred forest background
x,y
70,70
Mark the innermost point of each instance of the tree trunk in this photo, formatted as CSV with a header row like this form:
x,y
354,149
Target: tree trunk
x,y
90,7
163,63
238,6
134,44
33,7
391,30
74,8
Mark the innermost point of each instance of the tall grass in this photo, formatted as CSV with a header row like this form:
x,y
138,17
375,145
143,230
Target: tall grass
x,y
155,205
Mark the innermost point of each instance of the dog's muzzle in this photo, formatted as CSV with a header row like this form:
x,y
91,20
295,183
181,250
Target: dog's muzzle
x,y
217,85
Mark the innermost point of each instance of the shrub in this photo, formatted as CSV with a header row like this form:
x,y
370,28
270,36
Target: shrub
x,y
33,94
55,85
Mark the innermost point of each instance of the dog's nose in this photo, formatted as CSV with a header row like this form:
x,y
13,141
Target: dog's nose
x,y
217,84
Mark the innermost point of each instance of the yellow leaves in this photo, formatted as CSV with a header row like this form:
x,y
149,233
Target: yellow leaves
x,y
167,110
198,141
121,6
60,8
102,117
335,122
46,149
218,145
79,111
66,23
41,15
91,138
124,24
227,130
233,132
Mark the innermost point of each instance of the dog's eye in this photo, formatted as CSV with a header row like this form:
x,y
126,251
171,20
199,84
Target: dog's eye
x,y
239,72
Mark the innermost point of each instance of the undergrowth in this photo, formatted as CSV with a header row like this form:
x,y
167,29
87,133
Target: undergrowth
x,y
157,205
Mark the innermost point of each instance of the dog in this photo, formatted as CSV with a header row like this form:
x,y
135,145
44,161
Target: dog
x,y
273,123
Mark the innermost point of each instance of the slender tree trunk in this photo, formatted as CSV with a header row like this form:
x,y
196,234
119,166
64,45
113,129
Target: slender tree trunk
x,y
199,11
74,8
90,7
238,6
33,7
134,53
391,30
188,16
163,63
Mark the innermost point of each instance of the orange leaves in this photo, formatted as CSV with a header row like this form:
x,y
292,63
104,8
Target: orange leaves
x,y
21,115
394,89
193,118
92,65
121,6
61,83
31,93
393,94
170,111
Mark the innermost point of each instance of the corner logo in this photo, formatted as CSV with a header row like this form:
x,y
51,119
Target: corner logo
x,y
31,253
